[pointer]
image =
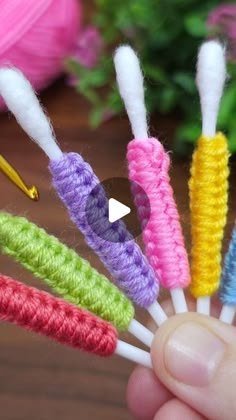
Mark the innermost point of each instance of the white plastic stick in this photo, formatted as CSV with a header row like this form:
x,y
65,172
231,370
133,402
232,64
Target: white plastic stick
x,y
141,332
227,314
157,313
211,76
178,300
133,353
204,305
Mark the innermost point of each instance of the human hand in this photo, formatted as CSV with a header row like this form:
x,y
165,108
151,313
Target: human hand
x,y
194,371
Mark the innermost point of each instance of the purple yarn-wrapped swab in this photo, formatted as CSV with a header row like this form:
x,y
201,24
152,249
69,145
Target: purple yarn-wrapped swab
x,y
74,180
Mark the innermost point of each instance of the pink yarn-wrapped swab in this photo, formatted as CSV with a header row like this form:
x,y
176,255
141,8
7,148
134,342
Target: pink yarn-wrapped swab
x,y
148,165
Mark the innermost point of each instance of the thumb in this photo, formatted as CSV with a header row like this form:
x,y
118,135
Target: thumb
x,y
195,357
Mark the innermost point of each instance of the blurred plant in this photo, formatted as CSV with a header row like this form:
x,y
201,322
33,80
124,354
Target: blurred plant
x,y
166,34
86,52
222,22
89,46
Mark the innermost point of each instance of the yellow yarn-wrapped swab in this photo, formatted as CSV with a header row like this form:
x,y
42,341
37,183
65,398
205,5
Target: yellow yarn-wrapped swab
x,y
208,201
208,183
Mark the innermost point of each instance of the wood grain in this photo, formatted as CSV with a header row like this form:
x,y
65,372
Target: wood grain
x,y
40,379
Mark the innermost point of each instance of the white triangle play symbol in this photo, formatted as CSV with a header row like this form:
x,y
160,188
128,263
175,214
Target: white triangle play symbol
x,y
116,210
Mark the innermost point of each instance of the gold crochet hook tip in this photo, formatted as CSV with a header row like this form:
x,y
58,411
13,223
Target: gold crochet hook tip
x,y
33,193
13,175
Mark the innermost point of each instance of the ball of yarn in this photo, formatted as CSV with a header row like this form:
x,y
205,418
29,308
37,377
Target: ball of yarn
x,y
36,36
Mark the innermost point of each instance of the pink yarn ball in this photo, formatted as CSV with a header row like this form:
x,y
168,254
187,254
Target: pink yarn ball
x,y
37,35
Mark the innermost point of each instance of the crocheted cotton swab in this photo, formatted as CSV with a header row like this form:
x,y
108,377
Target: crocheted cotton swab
x,y
209,179
38,311
228,283
148,165
68,274
43,313
74,180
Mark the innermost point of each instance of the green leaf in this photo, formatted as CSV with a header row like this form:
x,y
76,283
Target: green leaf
x,y
157,74
96,117
232,69
195,25
73,66
185,81
189,132
232,142
228,106
232,135
168,100
114,101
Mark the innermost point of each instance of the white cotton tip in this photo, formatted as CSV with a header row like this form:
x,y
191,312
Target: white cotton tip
x,y
211,76
130,82
22,101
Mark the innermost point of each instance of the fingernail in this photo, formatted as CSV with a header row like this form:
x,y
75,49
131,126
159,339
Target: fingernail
x,y
193,354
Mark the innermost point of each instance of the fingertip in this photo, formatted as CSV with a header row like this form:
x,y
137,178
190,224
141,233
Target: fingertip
x,y
176,410
157,350
145,393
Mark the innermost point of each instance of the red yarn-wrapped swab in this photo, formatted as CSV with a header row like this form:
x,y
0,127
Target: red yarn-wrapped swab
x,y
42,313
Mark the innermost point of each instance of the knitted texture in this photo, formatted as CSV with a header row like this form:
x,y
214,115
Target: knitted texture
x,y
44,314
228,278
208,187
74,180
63,270
148,166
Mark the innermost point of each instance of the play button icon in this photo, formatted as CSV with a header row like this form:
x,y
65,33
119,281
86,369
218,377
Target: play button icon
x,y
116,210
111,211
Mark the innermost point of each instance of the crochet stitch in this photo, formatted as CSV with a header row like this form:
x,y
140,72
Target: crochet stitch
x,y
228,278
164,243
44,314
74,179
208,188
63,270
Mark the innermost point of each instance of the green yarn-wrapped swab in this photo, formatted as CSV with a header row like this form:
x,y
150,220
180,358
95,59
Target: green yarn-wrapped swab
x,y
63,270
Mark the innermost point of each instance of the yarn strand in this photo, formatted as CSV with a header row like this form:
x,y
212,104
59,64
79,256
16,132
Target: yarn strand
x,y
52,317
208,187
148,165
63,270
163,238
227,291
74,180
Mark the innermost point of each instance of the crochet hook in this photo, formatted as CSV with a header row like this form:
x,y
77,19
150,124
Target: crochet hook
x,y
13,176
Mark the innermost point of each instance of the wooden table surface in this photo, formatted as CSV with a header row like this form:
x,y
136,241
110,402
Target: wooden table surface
x,y
39,379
